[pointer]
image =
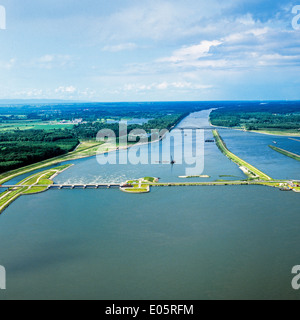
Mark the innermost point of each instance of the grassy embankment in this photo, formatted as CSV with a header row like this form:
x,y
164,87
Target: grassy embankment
x,y
143,185
286,153
85,149
278,132
247,168
34,184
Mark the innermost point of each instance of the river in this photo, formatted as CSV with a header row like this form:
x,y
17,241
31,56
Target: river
x,y
230,242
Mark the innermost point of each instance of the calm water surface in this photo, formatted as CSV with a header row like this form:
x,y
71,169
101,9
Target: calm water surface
x,y
173,243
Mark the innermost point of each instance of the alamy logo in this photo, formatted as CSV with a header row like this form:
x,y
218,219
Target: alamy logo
x,y
2,278
181,146
296,11
2,18
296,279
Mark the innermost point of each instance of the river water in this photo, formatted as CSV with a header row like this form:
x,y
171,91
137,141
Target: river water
x,y
230,242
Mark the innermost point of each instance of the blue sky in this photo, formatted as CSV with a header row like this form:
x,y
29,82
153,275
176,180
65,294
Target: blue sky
x,y
129,50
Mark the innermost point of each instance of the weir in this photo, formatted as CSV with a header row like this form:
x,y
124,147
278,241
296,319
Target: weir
x,y
67,186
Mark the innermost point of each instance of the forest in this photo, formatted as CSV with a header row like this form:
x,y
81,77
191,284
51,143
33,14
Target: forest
x,y
33,132
21,148
279,116
90,130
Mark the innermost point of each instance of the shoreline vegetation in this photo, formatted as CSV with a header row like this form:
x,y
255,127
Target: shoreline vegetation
x,y
85,149
272,118
34,184
279,133
286,153
30,135
144,186
93,148
248,169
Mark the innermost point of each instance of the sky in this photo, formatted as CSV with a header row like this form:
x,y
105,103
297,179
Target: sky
x,y
157,50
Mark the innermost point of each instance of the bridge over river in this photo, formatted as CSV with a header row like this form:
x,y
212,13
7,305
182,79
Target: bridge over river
x,y
165,184
67,186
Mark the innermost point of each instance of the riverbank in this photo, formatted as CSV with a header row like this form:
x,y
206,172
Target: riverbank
x,y
143,186
286,153
32,185
275,133
247,168
85,149
279,133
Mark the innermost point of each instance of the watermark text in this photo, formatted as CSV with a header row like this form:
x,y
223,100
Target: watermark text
x,y
296,279
2,278
295,21
161,147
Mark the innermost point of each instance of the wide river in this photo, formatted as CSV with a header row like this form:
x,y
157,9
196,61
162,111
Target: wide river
x,y
230,242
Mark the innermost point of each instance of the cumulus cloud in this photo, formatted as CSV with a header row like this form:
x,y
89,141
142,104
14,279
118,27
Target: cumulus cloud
x,y
163,46
69,89
120,47
193,53
166,85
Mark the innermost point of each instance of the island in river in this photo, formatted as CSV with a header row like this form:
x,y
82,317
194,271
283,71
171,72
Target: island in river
x,y
225,242
40,182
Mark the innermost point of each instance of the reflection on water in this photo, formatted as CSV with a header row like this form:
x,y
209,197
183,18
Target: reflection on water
x,y
173,243
90,171
254,148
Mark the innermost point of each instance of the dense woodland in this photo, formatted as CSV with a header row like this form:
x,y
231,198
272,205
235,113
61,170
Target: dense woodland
x,y
23,147
19,148
259,116
92,112
90,130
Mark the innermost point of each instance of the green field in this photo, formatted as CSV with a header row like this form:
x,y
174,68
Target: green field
x,y
251,171
33,125
286,153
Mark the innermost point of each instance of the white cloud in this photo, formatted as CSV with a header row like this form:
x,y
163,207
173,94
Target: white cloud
x,y
69,89
47,58
180,85
192,53
8,64
50,61
246,20
246,35
162,86
157,20
120,47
